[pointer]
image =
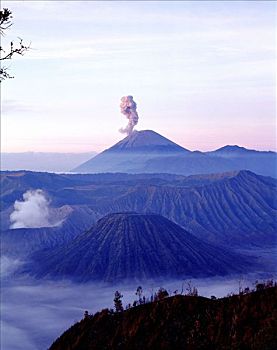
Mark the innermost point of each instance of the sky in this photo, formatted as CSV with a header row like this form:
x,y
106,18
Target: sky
x,y
202,73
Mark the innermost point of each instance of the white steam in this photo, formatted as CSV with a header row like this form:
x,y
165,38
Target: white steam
x,y
129,108
32,212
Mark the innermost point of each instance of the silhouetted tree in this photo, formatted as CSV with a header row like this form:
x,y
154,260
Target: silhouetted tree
x,y
139,293
269,284
86,314
260,286
8,53
191,290
117,301
128,306
161,294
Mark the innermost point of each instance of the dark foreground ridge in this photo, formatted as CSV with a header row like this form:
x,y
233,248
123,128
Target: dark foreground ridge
x,y
245,321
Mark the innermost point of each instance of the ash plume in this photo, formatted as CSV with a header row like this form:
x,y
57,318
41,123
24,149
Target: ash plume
x,y
32,212
129,108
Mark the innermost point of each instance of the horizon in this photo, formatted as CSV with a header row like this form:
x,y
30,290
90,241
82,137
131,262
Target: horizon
x,y
202,74
94,153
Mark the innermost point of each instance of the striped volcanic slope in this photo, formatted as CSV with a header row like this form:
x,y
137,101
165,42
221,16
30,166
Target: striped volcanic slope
x,y
135,246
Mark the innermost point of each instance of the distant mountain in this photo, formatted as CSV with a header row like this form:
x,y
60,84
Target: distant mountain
x,y
237,208
135,246
236,150
131,153
181,322
43,161
149,152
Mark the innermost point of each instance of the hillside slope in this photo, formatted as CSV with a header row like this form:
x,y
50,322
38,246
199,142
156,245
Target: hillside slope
x,y
182,322
238,209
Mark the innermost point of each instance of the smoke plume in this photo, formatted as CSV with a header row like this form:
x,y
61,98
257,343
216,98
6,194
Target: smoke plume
x,y
32,212
129,108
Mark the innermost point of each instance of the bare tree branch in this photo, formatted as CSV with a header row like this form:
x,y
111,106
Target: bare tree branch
x,y
20,49
5,20
14,50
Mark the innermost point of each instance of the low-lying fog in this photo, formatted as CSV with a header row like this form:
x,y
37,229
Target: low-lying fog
x,y
34,313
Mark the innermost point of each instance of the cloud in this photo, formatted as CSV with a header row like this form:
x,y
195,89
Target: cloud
x,y
11,106
32,212
8,265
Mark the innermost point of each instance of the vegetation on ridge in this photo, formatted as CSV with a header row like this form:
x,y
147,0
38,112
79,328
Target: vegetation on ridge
x,y
244,321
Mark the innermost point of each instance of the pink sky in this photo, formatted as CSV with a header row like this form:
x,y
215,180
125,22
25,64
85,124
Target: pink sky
x,y
202,74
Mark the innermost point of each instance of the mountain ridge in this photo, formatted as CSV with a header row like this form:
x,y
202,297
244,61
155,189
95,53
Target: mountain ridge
x,y
235,208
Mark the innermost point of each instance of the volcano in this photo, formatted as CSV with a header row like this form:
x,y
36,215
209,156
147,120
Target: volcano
x,y
147,141
135,246
147,151
132,153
